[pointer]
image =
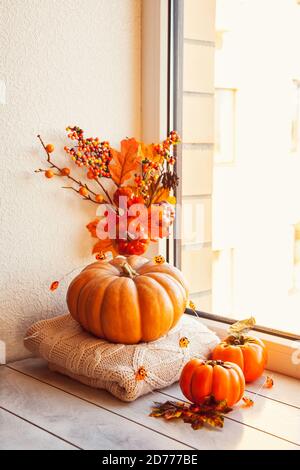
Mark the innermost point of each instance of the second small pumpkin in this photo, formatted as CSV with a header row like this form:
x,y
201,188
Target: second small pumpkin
x,y
201,380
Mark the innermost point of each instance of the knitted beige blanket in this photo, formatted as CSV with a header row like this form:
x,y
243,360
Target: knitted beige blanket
x,y
126,371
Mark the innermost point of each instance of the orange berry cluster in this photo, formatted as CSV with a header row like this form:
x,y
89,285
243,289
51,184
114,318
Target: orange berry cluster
x,y
90,152
152,168
163,149
139,181
148,165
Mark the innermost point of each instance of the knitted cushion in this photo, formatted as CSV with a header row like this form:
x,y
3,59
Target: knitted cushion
x,y
127,371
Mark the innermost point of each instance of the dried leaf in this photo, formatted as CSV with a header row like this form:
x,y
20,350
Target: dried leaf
x,y
161,195
92,227
169,408
215,421
173,415
103,246
171,200
210,413
269,382
147,151
248,403
242,326
124,163
222,407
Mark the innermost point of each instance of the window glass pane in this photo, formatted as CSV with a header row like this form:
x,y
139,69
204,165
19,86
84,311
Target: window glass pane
x,y
224,137
241,159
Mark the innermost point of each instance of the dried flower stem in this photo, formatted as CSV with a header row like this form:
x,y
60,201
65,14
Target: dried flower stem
x,y
156,187
78,182
87,198
104,190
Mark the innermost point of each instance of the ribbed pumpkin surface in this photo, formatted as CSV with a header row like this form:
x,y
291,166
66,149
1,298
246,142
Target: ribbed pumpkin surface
x,y
128,300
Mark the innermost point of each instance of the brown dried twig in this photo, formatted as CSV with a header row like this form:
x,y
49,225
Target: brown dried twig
x,y
78,182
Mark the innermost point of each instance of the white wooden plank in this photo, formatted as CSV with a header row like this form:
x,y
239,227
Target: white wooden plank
x,y
269,416
69,417
198,69
198,118
286,389
16,434
233,436
197,171
199,19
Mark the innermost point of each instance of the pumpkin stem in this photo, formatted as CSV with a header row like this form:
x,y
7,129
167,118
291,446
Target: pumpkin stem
x,y
214,363
236,340
128,271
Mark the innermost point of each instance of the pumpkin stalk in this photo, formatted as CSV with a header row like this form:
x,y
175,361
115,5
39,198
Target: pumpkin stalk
x,y
236,339
128,271
214,363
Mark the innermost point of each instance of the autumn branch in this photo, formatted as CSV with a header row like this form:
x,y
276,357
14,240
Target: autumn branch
x,y
78,182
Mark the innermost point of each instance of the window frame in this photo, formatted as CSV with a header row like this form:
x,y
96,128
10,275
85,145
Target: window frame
x,y
162,85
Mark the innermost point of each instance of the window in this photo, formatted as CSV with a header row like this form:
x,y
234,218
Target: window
x,y
295,130
237,102
296,260
225,125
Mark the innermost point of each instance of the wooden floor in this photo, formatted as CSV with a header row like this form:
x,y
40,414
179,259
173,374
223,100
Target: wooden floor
x,y
40,409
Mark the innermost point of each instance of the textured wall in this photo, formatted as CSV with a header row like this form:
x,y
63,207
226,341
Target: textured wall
x,y
62,62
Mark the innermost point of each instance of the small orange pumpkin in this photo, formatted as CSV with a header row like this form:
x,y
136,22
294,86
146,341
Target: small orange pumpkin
x,y
248,352
203,379
128,299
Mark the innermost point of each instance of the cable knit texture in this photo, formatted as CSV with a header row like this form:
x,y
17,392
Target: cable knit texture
x,y
116,367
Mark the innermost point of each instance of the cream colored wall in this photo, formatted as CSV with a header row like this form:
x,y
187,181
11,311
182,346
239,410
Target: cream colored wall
x,y
62,62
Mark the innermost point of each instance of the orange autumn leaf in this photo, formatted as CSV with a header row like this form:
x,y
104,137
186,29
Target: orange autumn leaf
x,y
247,402
171,200
210,413
54,285
161,195
103,246
147,151
92,227
126,162
269,382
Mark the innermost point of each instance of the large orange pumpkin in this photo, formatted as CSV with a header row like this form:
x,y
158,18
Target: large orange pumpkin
x,y
128,300
248,352
220,380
